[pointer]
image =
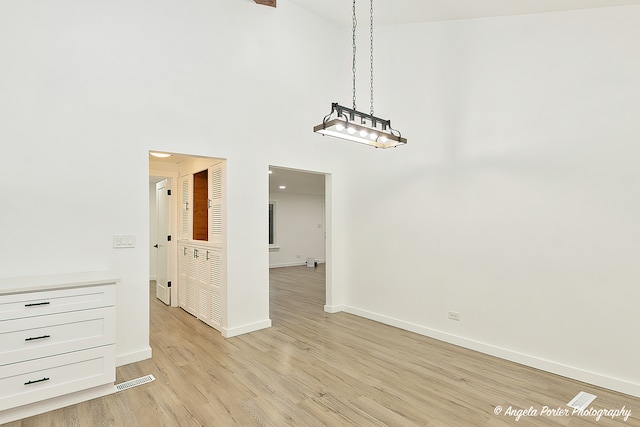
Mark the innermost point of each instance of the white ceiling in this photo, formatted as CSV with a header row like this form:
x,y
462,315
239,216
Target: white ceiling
x,y
411,11
174,159
298,182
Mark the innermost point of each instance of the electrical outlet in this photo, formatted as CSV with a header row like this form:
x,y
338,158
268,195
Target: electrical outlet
x,y
454,315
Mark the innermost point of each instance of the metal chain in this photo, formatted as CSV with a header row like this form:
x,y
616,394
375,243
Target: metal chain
x,y
353,66
371,57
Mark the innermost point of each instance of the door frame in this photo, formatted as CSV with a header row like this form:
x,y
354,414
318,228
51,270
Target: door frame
x,y
330,305
163,228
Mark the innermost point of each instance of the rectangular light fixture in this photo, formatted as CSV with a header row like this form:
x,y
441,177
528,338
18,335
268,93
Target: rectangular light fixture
x,y
352,125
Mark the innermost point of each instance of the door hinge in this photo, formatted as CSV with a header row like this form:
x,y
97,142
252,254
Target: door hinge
x,y
168,192
168,284
168,238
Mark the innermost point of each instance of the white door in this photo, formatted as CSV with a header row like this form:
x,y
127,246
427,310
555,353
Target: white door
x,y
163,210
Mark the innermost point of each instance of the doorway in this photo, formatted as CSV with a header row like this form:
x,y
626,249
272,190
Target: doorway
x,y
297,234
183,278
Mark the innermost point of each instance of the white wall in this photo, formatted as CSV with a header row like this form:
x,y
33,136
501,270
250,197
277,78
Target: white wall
x,y
299,225
516,201
89,87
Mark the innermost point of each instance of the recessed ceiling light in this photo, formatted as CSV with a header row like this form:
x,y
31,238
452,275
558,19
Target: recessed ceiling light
x,y
282,187
156,154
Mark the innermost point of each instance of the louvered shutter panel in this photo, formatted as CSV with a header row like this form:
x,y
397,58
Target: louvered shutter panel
x,y
183,269
186,207
192,281
204,287
216,280
217,208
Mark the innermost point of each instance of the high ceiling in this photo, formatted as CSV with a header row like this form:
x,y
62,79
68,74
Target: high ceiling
x,y
411,11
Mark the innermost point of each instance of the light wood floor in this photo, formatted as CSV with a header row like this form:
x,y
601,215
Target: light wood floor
x,y
312,368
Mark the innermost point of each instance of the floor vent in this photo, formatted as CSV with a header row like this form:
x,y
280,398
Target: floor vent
x,y
581,401
132,383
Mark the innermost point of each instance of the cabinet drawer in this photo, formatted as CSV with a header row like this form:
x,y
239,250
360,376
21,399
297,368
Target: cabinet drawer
x,y
41,336
27,382
29,304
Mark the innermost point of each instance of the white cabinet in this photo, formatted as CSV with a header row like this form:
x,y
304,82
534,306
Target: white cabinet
x,y
57,341
202,209
201,246
201,275
209,283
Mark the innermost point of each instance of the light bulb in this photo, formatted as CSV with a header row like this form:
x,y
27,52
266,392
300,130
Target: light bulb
x,y
351,130
383,139
363,133
373,136
339,127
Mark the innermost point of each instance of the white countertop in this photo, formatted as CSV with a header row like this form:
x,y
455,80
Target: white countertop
x,y
55,281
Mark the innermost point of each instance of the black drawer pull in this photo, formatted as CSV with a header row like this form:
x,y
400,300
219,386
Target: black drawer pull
x,y
37,338
34,304
37,381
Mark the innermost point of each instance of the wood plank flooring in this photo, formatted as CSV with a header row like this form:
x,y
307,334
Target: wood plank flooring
x,y
313,369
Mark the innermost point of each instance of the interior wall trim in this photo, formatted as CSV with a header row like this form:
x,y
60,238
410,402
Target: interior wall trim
x,y
245,329
572,372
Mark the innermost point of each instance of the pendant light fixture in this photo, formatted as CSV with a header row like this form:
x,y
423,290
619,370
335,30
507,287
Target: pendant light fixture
x,y
356,126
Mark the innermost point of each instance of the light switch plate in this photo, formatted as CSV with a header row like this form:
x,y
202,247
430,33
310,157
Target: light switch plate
x,y
124,241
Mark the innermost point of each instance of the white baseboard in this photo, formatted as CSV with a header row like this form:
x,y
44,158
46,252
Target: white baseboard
x,y
293,264
334,308
25,411
600,380
287,264
245,329
137,356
